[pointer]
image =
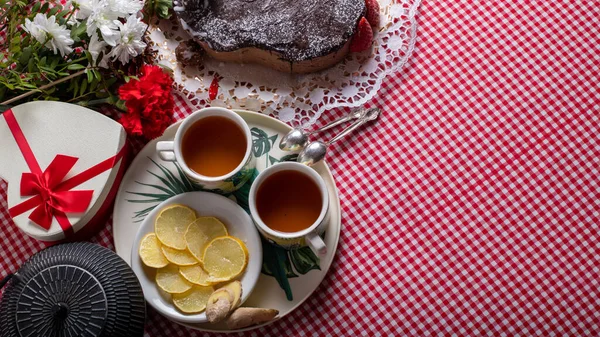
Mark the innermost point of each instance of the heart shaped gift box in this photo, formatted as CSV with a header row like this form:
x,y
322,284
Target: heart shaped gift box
x,y
63,164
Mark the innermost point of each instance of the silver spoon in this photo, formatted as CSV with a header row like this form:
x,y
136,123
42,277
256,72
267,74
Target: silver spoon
x,y
297,138
315,151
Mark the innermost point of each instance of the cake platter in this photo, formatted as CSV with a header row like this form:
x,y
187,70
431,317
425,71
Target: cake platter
x,y
148,181
294,99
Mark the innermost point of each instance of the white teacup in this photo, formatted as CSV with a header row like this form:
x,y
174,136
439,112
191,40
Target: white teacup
x,y
171,151
307,237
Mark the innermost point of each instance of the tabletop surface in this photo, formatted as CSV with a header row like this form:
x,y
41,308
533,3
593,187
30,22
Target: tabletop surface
x,y
472,206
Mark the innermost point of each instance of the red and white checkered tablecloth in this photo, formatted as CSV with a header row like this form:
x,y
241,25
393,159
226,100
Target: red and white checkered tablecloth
x,y
472,207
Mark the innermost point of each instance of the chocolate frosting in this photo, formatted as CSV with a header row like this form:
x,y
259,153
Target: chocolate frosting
x,y
297,29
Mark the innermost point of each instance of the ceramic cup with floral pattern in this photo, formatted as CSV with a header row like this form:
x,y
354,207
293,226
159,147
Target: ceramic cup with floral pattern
x,y
225,183
309,236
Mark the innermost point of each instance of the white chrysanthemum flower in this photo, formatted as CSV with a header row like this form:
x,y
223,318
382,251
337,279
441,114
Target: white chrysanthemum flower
x,y
33,28
103,19
83,8
95,47
130,43
50,33
125,7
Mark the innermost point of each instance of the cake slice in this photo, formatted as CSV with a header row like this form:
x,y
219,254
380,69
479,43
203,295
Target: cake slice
x,y
296,36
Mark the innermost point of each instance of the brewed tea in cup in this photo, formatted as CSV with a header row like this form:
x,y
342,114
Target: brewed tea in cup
x,y
288,203
213,146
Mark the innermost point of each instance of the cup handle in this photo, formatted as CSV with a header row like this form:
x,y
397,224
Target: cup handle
x,y
314,241
165,150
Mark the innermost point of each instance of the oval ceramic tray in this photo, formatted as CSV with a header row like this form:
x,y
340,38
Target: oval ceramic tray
x,y
287,278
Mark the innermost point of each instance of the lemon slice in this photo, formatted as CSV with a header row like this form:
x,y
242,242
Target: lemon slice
x,y
195,274
200,232
169,280
193,300
171,224
179,257
225,258
150,252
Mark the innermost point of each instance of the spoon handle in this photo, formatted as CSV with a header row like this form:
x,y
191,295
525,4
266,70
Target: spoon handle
x,y
352,115
368,116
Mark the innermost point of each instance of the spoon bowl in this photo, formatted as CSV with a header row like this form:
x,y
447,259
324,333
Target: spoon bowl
x,y
294,140
313,153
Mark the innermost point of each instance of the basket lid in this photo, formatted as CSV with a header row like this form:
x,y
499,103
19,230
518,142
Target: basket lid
x,y
74,289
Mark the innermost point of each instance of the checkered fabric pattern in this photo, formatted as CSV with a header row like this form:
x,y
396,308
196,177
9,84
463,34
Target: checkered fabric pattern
x,y
471,208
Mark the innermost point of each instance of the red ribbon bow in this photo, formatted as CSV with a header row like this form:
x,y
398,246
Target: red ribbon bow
x,y
52,197
54,200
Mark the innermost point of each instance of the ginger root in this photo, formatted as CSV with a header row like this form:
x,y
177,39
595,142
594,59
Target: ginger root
x,y
235,288
223,301
245,317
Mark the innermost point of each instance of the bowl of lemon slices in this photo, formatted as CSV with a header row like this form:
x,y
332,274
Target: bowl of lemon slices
x,y
191,245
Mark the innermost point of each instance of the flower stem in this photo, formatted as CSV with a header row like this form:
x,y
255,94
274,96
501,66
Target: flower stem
x,y
49,85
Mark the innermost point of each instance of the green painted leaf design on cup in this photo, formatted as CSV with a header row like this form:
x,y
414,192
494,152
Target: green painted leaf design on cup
x,y
243,193
289,157
304,260
262,143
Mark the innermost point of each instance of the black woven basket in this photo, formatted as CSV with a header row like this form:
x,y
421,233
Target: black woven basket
x,y
74,289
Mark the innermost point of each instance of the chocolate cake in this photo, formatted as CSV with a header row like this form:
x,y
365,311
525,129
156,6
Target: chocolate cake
x,y
296,36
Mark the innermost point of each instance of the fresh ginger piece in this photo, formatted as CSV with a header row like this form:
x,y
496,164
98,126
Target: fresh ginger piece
x,y
235,288
223,301
220,303
245,317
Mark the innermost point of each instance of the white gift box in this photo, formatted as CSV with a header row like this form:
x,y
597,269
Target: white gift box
x,y
41,133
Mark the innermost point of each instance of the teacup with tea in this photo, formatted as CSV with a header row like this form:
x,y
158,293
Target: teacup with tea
x,y
288,203
213,146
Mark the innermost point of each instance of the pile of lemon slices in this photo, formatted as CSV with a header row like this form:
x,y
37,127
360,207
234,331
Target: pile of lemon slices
x,y
192,255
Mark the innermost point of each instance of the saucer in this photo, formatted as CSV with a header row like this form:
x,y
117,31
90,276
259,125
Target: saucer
x,y
149,181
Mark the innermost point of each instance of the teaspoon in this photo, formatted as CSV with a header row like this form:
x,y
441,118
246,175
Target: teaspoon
x,y
297,138
316,151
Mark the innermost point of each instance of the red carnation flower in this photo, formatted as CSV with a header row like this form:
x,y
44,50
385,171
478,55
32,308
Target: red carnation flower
x,y
149,103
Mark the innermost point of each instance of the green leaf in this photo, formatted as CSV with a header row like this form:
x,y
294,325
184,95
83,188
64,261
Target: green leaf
x,y
151,195
76,88
78,30
25,55
289,157
178,186
304,260
54,63
111,81
273,138
90,76
160,188
142,214
36,7
61,15
84,85
188,186
164,181
44,8
276,264
242,194
158,8
54,10
31,65
93,85
75,66
261,142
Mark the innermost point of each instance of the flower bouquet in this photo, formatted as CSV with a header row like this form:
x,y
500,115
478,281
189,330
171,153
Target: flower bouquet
x,y
88,52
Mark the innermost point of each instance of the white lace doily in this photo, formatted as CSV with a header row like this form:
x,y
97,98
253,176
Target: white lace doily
x,y
296,99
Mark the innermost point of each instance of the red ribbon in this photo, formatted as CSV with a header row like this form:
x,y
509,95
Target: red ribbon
x,y
53,197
